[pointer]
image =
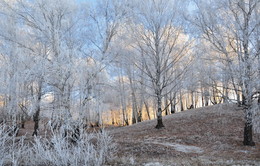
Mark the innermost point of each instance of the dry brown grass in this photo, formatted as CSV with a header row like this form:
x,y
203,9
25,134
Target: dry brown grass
x,y
206,136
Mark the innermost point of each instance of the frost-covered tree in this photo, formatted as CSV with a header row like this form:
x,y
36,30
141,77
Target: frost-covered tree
x,y
19,54
232,29
161,44
102,21
50,30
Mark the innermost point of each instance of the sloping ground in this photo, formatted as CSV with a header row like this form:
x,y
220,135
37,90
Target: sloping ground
x,y
206,136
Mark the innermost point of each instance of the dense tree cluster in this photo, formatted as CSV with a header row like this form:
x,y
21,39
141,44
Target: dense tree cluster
x,y
124,61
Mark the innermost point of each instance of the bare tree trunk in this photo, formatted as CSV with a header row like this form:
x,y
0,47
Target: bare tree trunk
x,y
196,100
247,83
187,102
225,91
36,116
248,130
173,103
134,102
213,98
154,109
36,119
139,115
22,122
147,110
243,100
202,97
166,105
133,115
134,109
140,110
206,97
172,108
123,100
112,118
181,102
239,102
125,117
192,100
258,69
159,113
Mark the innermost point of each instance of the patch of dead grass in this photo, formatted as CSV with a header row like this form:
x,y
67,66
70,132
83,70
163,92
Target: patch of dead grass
x,y
216,130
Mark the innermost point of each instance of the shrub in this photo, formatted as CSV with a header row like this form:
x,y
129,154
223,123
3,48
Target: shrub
x,y
88,149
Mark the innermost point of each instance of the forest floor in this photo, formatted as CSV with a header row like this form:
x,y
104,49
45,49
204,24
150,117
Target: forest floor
x,y
211,135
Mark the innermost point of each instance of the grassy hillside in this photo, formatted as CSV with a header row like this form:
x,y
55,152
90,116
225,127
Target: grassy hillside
x,y
206,136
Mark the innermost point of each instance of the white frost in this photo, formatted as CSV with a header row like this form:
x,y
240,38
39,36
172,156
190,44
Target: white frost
x,y
153,164
181,148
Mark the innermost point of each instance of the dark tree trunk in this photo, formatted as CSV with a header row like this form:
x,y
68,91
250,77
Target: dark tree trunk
x,y
134,109
214,94
225,97
248,130
206,102
243,100
139,117
36,118
133,119
112,116
22,122
22,125
206,97
248,135
159,123
126,122
173,103
140,112
181,102
113,122
192,99
187,102
172,108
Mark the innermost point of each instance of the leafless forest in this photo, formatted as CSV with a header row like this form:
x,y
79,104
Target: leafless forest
x,y
129,82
